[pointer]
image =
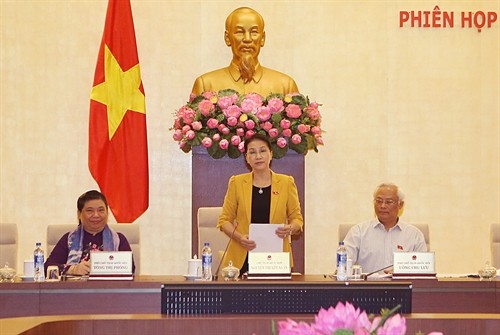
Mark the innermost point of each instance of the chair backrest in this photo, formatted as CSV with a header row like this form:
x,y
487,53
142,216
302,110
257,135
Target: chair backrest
x,y
424,228
208,232
131,232
495,244
8,244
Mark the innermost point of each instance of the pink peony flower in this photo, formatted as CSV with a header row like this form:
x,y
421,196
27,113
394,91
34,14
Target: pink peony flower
x,y
216,137
191,97
190,135
273,132
177,123
212,123
240,132
241,147
224,144
185,129
293,111
177,135
206,107
312,113
266,125
232,121
188,115
316,130
248,106
233,111
235,140
225,102
281,142
287,132
196,125
263,113
206,142
296,139
285,124
276,105
256,98
249,134
225,130
302,128
249,124
209,94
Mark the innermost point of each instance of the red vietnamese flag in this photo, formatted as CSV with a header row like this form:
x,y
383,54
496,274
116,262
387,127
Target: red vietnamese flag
x,y
118,151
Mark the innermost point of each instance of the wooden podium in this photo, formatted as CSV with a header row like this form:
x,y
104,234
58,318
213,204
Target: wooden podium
x,y
209,185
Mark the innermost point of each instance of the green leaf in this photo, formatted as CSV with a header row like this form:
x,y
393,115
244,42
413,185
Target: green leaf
x,y
300,100
233,152
343,332
301,148
278,152
220,118
194,104
215,152
276,118
227,92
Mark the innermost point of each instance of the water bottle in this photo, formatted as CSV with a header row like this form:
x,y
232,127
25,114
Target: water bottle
x,y
39,273
341,262
206,262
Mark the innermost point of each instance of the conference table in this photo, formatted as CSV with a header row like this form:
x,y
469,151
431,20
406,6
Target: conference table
x,y
167,302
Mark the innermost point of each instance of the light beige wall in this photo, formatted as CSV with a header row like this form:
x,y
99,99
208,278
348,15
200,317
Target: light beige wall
x,y
419,107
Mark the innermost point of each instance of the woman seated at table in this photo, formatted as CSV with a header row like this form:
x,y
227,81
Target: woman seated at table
x,y
260,196
72,252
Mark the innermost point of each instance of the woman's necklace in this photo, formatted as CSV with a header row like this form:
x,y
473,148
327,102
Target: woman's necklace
x,y
261,191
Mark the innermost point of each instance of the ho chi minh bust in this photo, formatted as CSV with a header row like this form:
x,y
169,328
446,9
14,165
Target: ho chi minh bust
x,y
246,36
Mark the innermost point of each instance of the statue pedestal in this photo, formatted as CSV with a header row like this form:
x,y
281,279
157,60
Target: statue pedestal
x,y
209,186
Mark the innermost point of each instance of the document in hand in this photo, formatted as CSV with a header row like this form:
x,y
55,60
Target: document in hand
x,y
265,237
267,260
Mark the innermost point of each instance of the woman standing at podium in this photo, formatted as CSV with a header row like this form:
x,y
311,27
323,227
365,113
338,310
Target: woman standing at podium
x,y
260,196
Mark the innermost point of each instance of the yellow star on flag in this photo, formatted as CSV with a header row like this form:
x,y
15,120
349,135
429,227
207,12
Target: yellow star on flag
x,y
120,91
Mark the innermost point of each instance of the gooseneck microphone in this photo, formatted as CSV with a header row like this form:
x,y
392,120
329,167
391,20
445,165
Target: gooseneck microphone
x,y
369,274
216,275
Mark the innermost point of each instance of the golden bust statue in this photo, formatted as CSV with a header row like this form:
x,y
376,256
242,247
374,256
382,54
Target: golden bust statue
x,y
246,36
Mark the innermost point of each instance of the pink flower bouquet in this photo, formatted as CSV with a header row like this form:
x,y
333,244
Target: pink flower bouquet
x,y
221,121
347,320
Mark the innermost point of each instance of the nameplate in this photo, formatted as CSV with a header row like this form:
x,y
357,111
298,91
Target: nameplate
x,y
269,265
111,265
414,264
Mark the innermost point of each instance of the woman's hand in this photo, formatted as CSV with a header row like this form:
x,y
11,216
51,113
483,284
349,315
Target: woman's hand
x,y
81,269
249,245
284,231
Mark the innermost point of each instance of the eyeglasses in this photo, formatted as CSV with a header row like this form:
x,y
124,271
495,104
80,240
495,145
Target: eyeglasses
x,y
388,202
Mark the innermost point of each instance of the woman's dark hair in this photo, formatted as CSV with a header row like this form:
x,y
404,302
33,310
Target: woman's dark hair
x,y
90,195
264,139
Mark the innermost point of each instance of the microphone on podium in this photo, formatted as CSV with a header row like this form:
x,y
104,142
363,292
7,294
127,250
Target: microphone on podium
x,y
216,275
364,277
